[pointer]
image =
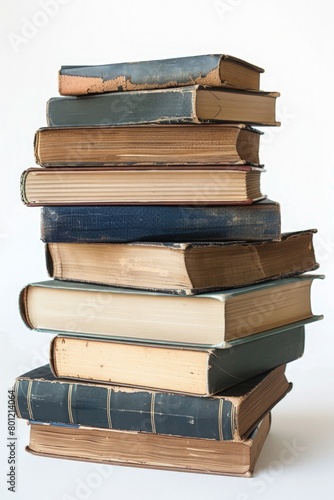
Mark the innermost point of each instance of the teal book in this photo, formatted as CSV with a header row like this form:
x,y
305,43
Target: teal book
x,y
199,370
193,104
229,415
210,319
207,69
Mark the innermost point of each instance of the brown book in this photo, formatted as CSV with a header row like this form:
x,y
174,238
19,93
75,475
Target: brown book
x,y
208,69
163,186
237,458
211,144
182,268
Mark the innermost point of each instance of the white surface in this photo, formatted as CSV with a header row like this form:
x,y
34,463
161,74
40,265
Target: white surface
x,y
293,41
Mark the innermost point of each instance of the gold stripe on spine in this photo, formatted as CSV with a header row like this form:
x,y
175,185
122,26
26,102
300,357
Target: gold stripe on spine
x,y
16,391
31,416
108,407
233,420
220,419
152,414
69,403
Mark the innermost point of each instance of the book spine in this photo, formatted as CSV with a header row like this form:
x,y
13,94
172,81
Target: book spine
x,y
121,224
141,75
124,108
142,411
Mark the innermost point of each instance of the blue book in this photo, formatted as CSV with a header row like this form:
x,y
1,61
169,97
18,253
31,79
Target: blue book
x,y
229,415
120,224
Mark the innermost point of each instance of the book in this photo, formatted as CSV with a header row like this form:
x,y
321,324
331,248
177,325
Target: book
x,y
205,319
229,415
207,69
178,223
107,446
111,185
142,145
197,370
187,268
194,104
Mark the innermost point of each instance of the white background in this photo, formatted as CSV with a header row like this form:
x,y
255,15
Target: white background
x,y
293,41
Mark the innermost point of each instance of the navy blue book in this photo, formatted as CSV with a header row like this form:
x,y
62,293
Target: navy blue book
x,y
230,415
121,224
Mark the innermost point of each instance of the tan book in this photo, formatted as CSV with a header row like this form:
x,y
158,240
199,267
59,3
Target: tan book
x,y
137,186
237,458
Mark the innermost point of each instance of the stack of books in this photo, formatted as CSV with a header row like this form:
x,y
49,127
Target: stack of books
x,y
175,302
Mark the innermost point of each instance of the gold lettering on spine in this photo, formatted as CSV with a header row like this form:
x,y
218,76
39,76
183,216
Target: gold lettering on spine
x,y
69,404
220,419
108,408
152,414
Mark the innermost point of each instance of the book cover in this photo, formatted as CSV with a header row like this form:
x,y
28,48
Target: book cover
x,y
120,224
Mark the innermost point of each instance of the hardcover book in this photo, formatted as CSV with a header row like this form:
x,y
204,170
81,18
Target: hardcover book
x,y
142,145
178,223
237,458
207,69
194,104
193,370
188,268
111,185
229,415
205,319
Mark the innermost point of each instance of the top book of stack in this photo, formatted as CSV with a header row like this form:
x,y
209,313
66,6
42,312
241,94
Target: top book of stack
x,y
214,70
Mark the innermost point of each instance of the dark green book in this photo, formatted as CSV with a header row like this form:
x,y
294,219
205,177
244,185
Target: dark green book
x,y
194,104
207,69
173,368
230,415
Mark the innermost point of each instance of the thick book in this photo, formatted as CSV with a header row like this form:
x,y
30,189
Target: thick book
x,y
209,319
164,186
142,145
107,446
188,268
207,69
194,104
178,223
229,415
194,370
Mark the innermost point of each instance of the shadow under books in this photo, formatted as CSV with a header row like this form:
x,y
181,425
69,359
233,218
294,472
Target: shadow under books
x,y
296,439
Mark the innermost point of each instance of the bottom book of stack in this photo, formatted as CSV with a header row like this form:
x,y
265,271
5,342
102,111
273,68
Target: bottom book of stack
x,y
220,434
237,458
